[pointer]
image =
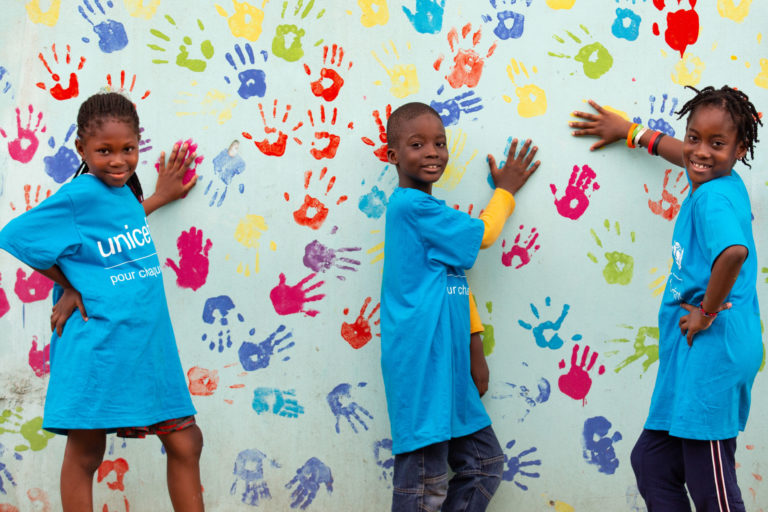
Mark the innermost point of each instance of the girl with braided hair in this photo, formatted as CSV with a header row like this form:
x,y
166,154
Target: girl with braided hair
x,y
115,368
710,345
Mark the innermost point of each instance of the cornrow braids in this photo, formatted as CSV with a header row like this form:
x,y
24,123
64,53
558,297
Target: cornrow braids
x,y
737,104
108,106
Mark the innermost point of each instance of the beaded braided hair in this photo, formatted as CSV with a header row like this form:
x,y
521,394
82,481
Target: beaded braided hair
x,y
737,104
108,106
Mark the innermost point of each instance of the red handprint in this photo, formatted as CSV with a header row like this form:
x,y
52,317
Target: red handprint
x,y
276,148
329,92
381,151
23,147
4,305
291,299
576,198
329,151
319,210
658,207
467,64
357,334
682,26
576,382
119,466
192,270
33,288
123,85
522,251
28,197
57,91
40,360
202,382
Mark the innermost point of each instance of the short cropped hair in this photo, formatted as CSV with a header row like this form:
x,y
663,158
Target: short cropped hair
x,y
405,113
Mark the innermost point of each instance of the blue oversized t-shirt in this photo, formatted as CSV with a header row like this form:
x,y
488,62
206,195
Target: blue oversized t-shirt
x,y
121,368
425,321
703,392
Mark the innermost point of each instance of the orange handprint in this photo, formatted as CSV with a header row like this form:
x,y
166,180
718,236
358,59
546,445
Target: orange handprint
x,y
467,64
276,148
320,87
381,151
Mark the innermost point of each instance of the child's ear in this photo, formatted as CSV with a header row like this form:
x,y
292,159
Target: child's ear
x,y
79,148
741,151
392,156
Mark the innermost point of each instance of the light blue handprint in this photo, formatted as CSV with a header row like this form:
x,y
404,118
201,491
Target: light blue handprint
x,y
597,447
339,400
249,470
256,356
278,402
555,341
253,82
450,109
626,25
374,203
64,163
111,33
428,18
515,466
226,165
510,23
660,124
307,482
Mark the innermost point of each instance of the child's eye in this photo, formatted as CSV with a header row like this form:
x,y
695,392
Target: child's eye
x,y
416,145
440,144
102,151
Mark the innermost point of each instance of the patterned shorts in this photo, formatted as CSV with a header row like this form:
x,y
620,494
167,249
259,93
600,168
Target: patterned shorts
x,y
158,429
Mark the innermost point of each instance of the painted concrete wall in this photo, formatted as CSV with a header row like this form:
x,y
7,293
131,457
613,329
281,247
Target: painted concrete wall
x,y
286,100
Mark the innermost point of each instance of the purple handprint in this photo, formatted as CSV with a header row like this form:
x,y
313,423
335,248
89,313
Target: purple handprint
x,y
226,165
307,482
192,270
451,109
253,82
597,447
256,356
249,468
112,36
515,466
5,473
319,258
339,400
291,299
62,165
428,18
576,197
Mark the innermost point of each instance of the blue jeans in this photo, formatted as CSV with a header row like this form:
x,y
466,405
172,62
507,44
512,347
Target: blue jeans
x,y
421,477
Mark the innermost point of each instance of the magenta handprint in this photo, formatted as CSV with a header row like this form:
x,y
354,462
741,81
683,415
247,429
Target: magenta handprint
x,y
40,360
669,204
33,288
575,200
319,258
576,382
192,270
23,147
291,299
4,305
522,251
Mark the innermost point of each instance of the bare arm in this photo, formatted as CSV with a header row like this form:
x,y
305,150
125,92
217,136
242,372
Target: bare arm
x,y
611,127
170,186
69,300
477,363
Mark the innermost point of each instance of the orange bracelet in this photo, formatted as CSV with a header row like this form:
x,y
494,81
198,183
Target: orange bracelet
x,y
630,134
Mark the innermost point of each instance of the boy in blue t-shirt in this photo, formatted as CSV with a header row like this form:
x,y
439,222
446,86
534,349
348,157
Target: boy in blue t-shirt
x,y
435,412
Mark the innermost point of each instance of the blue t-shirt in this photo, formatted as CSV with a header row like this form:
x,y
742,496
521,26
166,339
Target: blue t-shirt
x,y
121,368
703,391
425,321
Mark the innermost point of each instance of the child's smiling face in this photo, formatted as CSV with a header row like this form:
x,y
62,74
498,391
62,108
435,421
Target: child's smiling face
x,y
420,153
711,145
111,151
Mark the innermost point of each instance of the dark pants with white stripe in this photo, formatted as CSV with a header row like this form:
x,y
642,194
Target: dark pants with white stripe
x,y
664,465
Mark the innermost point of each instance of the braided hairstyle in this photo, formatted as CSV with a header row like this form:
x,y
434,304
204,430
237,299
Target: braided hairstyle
x,y
102,107
737,104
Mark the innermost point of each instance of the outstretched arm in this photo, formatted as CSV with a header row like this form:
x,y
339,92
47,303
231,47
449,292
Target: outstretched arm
x,y
611,127
170,186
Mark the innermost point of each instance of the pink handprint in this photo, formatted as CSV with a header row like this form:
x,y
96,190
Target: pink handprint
x,y
381,151
319,88
467,64
4,305
669,204
57,91
576,198
276,148
192,170
357,334
576,382
291,299
40,360
33,288
192,270
522,250
23,147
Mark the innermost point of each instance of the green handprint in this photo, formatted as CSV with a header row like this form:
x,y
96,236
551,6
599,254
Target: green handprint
x,y
287,41
594,57
620,265
649,352
31,430
182,59
489,340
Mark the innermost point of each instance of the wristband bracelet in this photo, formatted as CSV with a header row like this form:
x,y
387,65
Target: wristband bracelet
x,y
631,134
652,141
706,313
655,148
640,133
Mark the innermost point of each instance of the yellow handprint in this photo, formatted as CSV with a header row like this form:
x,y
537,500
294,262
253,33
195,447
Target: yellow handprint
x,y
532,100
455,171
137,9
49,17
248,232
729,9
404,79
560,4
213,103
684,75
375,12
761,80
246,20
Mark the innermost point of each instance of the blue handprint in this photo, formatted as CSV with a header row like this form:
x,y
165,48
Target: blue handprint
x,y
626,25
223,304
249,468
598,449
555,341
226,165
112,36
64,163
374,203
660,124
382,453
5,473
253,82
256,356
428,18
282,403
5,84
510,23
451,109
339,400
543,391
515,466
307,481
